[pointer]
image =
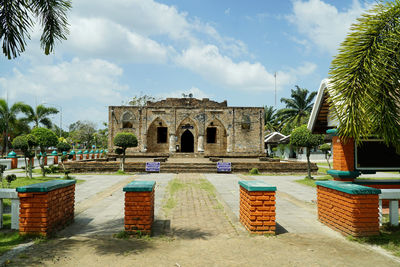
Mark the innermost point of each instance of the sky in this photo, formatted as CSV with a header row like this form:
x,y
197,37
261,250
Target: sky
x,y
222,50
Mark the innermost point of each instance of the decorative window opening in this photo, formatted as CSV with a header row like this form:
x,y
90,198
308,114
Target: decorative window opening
x,y
211,135
162,133
246,122
127,120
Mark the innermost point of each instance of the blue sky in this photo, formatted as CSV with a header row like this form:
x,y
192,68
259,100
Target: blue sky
x,y
216,49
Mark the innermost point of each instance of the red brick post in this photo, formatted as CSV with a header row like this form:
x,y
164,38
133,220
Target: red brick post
x,y
348,208
257,207
14,163
55,160
46,207
139,206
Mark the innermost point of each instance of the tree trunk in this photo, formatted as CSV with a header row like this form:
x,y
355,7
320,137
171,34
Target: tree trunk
x,y
327,160
123,161
31,167
308,163
26,167
41,161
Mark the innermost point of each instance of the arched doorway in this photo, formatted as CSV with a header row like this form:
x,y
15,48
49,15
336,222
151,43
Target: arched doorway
x,y
187,141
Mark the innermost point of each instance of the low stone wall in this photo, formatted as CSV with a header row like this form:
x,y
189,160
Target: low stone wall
x,y
46,207
139,207
348,208
257,207
168,167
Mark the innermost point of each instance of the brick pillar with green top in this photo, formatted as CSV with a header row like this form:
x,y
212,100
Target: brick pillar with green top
x,y
46,207
139,206
14,159
257,207
55,157
348,208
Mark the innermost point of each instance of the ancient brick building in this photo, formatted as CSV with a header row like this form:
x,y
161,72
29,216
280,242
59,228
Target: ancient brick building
x,y
190,125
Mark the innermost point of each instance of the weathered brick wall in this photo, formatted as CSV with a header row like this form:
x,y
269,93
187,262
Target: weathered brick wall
x,y
231,135
343,154
350,214
45,212
257,211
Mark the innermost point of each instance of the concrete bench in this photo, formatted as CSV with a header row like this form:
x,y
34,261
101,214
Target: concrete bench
x,y
13,195
393,195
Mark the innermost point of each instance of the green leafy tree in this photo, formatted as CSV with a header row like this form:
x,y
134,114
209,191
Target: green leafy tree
x,y
63,146
8,119
82,132
123,141
141,100
17,18
302,137
365,76
45,138
270,119
297,108
27,144
39,115
326,148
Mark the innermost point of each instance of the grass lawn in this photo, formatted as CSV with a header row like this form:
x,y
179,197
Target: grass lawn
x,y
311,182
388,239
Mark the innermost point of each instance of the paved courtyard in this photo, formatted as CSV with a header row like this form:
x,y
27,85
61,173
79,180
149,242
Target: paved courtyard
x,y
197,225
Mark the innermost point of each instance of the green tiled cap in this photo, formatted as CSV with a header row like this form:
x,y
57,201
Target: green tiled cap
x,y
85,152
256,185
72,152
54,153
97,151
140,186
101,151
46,186
64,153
79,152
349,188
91,151
12,154
343,174
332,132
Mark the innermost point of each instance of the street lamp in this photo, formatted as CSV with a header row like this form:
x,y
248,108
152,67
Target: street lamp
x,y
60,114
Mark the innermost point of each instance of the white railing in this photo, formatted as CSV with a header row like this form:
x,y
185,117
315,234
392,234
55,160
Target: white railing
x,y
13,195
393,195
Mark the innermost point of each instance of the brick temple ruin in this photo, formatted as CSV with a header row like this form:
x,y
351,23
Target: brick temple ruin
x,y
189,125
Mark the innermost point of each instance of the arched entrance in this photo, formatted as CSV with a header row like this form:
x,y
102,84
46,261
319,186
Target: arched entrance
x,y
187,141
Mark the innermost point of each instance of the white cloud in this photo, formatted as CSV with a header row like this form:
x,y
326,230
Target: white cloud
x,y
197,93
90,81
322,23
210,64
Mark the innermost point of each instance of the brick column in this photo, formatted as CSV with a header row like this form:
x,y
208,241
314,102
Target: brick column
x,y
343,158
348,208
257,207
139,206
46,207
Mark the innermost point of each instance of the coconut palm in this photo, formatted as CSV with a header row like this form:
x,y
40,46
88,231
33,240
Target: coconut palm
x,y
298,107
8,119
17,17
270,118
39,115
365,76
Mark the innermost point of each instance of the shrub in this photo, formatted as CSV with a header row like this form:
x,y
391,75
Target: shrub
x,y
254,171
62,146
10,178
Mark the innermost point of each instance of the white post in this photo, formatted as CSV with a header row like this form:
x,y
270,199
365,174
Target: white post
x,y
15,214
380,212
394,212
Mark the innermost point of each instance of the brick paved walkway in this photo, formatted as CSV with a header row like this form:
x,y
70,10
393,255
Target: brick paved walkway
x,y
197,213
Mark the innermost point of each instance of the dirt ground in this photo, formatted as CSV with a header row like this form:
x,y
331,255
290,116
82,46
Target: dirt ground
x,y
201,234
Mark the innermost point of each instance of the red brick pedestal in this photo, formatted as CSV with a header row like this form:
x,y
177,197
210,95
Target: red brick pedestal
x,y
257,207
349,208
46,207
139,207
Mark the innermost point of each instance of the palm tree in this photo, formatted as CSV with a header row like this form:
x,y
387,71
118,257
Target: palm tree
x,y
298,107
270,118
17,18
8,119
365,76
39,115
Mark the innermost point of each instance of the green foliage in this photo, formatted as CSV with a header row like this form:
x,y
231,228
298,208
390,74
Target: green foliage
x,y
141,100
125,140
325,148
365,76
20,142
45,138
254,171
39,115
10,178
298,108
119,151
83,132
270,119
302,137
63,146
19,17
